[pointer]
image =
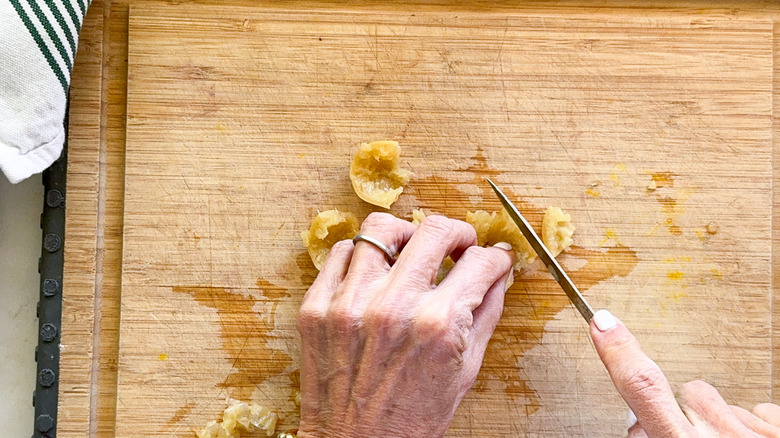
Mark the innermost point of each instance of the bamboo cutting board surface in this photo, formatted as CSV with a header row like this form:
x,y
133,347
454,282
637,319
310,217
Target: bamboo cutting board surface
x,y
242,123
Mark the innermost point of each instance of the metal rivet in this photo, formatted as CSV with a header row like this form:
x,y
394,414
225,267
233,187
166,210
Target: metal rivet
x,y
54,198
48,332
46,377
50,287
52,242
44,422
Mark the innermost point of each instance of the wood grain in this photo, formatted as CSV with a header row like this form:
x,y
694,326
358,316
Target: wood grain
x,y
258,113
775,306
81,232
77,314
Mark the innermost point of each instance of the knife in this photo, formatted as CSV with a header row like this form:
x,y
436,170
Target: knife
x,y
552,265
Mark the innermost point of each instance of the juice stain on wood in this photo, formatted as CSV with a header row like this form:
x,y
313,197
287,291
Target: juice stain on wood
x,y
180,413
663,179
444,196
533,300
669,203
244,333
530,304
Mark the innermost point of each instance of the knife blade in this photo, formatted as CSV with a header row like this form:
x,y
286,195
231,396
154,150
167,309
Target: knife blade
x,y
552,265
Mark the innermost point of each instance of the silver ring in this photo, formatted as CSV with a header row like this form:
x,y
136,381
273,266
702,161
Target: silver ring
x,y
376,243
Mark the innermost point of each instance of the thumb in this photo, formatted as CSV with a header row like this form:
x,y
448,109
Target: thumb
x,y
638,379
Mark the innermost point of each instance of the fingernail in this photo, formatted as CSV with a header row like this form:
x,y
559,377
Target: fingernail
x,y
631,419
604,320
503,245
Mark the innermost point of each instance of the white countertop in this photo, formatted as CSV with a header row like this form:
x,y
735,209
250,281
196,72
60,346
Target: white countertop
x,y
20,247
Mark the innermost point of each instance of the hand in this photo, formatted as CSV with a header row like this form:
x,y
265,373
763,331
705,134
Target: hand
x,y
385,352
701,411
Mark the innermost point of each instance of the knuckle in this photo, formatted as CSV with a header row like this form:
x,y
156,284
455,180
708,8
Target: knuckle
x,y
436,326
646,383
621,344
341,317
695,387
383,318
310,318
342,247
432,325
439,225
377,220
484,260
766,410
697,392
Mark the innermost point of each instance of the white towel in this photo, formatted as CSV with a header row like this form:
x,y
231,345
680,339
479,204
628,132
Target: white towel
x,y
38,41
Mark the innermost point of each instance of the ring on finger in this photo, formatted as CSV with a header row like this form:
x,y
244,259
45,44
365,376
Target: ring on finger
x,y
362,237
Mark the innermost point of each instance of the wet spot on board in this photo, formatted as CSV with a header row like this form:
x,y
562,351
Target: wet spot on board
x,y
663,179
716,273
531,303
609,236
615,175
671,210
180,413
675,275
295,386
244,333
534,299
308,271
663,184
451,198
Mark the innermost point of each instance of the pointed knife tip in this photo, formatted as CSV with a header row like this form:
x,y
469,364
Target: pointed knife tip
x,y
495,188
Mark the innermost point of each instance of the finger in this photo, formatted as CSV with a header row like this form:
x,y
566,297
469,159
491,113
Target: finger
x,y
486,316
638,379
768,412
313,328
702,403
435,238
754,423
388,229
332,274
475,272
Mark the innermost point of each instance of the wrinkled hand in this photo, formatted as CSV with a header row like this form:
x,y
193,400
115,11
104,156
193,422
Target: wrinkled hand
x,y
701,411
385,352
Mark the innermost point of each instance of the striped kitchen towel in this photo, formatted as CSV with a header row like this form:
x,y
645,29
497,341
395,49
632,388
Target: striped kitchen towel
x,y
38,41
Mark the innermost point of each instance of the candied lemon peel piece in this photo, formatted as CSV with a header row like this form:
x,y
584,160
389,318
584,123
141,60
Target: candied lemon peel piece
x,y
375,174
241,417
498,227
327,228
417,216
557,230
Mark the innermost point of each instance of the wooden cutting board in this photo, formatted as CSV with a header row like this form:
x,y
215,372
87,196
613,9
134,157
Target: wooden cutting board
x,y
241,124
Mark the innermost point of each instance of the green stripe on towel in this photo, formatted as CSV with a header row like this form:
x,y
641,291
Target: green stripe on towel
x,y
41,45
61,21
72,13
52,34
